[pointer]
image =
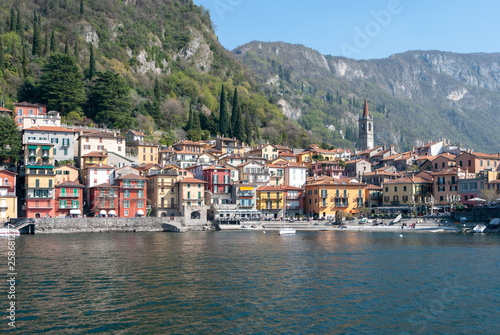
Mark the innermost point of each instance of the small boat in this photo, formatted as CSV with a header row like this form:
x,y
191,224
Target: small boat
x,y
480,228
287,231
9,231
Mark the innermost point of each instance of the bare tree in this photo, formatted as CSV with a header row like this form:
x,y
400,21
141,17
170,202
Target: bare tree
x,y
173,114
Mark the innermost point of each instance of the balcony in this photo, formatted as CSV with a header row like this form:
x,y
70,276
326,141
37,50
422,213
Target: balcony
x,y
324,195
6,185
133,186
38,141
69,207
43,205
395,203
34,171
245,194
68,195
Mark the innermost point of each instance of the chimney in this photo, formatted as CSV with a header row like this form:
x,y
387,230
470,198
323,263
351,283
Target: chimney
x,y
100,164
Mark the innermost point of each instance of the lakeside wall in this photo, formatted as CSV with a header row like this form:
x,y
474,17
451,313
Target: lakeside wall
x,y
114,224
480,214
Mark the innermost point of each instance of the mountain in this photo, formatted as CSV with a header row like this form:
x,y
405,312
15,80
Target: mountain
x,y
165,52
414,96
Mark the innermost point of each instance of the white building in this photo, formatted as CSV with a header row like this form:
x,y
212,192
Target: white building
x,y
62,138
295,175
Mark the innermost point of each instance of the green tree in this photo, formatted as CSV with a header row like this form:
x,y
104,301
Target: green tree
x,y
53,43
248,128
109,100
66,48
240,127
223,114
82,8
91,71
24,60
13,20
189,124
157,92
2,56
10,141
234,113
13,51
19,24
196,121
37,37
46,45
61,84
77,49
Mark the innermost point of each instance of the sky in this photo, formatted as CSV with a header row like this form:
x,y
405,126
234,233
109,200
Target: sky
x,y
360,29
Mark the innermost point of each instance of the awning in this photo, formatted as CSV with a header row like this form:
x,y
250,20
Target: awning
x,y
45,147
246,188
75,212
32,147
112,212
102,212
140,212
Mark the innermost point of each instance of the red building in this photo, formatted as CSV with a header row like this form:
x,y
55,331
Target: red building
x,y
132,195
69,198
218,180
23,109
104,200
294,200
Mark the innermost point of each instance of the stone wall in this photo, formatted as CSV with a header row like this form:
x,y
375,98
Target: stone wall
x,y
478,214
108,224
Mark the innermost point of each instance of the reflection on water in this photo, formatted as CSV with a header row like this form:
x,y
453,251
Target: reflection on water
x,y
250,282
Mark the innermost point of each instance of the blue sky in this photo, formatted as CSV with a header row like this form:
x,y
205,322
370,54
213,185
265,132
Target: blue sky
x,y
360,29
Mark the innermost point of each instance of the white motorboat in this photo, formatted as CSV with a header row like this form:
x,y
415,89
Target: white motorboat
x,y
9,231
286,231
480,228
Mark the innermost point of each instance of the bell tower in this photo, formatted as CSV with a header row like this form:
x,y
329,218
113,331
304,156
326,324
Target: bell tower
x,y
365,130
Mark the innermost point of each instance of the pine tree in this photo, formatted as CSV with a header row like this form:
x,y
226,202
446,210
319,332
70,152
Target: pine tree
x,y
53,43
46,46
91,71
2,57
37,37
223,114
77,49
13,20
234,113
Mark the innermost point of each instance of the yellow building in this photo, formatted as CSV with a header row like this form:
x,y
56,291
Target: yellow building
x,y
163,192
66,173
147,154
8,198
327,196
266,151
407,193
270,201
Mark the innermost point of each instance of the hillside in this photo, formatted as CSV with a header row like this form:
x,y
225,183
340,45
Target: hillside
x,y
169,63
414,96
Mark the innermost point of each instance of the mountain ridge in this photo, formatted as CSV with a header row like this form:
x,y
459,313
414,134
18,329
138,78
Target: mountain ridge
x,y
442,94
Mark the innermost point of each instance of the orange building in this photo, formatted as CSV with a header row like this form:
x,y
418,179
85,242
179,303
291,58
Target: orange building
x,y
132,195
69,198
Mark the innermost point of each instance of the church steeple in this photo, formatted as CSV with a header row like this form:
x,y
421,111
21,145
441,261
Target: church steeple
x,y
365,129
365,110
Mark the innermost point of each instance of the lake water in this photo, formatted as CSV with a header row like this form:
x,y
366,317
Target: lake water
x,y
256,283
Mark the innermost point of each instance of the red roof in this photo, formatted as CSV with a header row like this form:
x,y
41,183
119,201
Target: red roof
x,y
269,188
365,110
70,183
192,180
131,176
55,129
100,166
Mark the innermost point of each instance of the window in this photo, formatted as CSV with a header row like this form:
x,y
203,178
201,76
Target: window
x,y
86,147
126,194
404,188
387,189
119,148
100,147
20,112
140,194
55,151
31,112
125,212
189,195
126,204
395,188
140,204
65,151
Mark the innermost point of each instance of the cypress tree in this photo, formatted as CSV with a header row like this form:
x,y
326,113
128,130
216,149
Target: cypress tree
x,y
234,113
13,51
19,24
46,46
156,90
196,121
2,57
240,127
24,61
13,20
53,43
81,8
66,48
37,38
189,124
77,49
223,114
91,71
248,128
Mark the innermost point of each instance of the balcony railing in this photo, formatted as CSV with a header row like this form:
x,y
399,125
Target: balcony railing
x,y
69,207
68,195
133,186
6,185
43,205
245,194
50,195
